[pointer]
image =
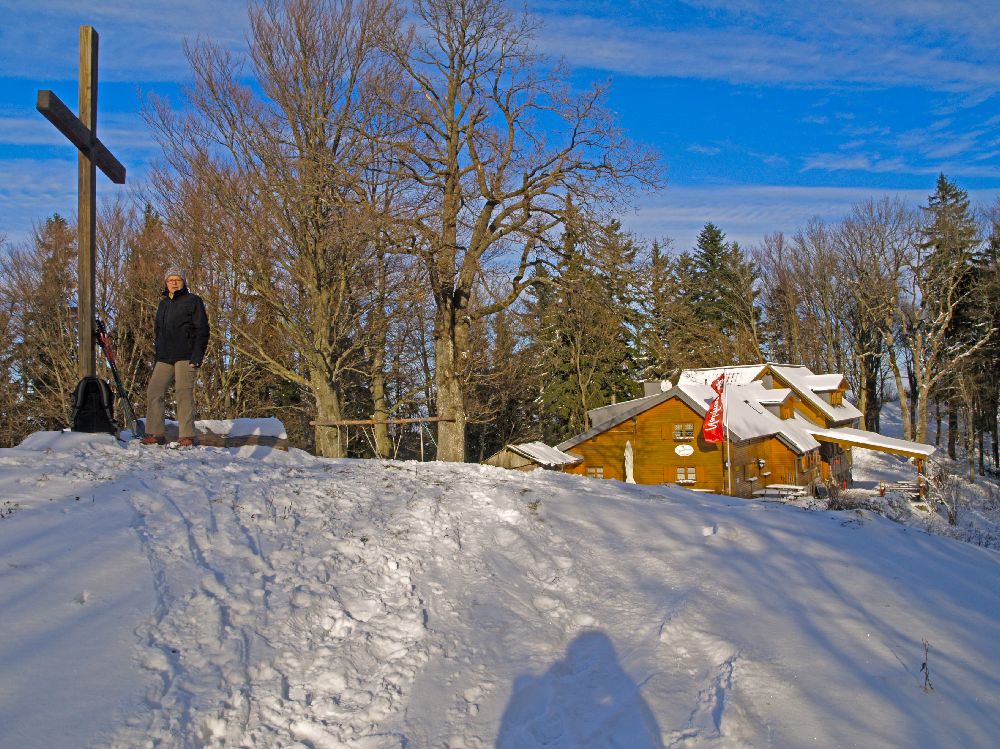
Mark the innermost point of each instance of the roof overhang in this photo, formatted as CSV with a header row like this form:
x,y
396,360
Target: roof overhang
x,y
847,437
544,455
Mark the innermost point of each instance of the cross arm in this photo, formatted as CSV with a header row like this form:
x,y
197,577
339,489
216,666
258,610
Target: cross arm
x,y
79,135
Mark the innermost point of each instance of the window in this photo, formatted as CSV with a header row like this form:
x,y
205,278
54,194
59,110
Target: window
x,y
596,472
837,399
686,475
683,432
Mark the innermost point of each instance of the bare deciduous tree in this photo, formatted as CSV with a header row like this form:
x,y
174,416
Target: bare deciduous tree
x,y
286,168
497,145
876,243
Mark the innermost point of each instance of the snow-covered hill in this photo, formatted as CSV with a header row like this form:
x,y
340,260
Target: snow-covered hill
x,y
254,598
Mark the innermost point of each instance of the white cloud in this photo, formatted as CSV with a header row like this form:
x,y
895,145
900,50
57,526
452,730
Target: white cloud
x,y
118,131
706,150
831,162
747,213
138,40
780,43
33,189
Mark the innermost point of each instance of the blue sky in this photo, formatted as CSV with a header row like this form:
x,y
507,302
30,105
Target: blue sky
x,y
766,112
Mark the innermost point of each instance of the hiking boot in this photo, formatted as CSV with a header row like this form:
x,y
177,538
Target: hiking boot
x,y
153,439
185,442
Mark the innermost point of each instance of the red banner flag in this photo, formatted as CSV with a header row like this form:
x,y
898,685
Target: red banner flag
x,y
712,430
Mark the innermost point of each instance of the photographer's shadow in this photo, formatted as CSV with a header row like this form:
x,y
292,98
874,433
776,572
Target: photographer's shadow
x,y
585,701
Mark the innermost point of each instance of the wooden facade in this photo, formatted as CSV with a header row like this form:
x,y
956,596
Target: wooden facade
x,y
661,435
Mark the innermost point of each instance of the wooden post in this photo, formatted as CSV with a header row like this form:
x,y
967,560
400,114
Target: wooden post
x,y
86,220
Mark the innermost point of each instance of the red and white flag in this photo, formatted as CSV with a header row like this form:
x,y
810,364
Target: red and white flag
x,y
712,430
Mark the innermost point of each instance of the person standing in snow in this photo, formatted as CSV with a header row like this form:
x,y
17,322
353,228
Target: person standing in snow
x,y
181,335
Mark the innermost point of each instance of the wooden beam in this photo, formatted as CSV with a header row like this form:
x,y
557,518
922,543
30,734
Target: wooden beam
x,y
371,422
68,124
86,201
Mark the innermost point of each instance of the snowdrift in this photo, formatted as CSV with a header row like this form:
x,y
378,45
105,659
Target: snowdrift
x,y
256,598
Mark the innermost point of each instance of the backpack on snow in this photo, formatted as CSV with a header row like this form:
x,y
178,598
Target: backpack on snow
x,y
93,407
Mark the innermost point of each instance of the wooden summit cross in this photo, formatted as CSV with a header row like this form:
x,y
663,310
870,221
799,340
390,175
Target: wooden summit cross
x,y
82,133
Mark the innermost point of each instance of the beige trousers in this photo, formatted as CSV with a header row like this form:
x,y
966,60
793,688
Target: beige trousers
x,y
156,397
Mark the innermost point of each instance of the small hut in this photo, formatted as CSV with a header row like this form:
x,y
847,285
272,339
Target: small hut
x,y
531,456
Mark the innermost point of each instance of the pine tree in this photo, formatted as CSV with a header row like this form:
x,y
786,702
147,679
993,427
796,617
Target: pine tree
x,y
590,324
46,326
725,294
940,342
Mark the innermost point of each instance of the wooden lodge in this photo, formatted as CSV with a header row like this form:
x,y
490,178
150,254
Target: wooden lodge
x,y
788,430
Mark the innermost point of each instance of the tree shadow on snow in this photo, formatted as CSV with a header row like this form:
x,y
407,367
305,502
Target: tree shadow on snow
x,y
584,701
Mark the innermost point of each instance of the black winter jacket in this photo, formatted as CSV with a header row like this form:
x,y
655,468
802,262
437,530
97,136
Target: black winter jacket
x,y
181,328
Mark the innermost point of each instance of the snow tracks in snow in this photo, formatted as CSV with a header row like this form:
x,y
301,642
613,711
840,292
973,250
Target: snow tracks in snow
x,y
281,620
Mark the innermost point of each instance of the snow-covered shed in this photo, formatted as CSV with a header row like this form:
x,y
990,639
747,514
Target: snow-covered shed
x,y
530,456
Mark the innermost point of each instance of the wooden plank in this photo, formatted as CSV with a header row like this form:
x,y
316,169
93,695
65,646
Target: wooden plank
x,y
372,422
67,123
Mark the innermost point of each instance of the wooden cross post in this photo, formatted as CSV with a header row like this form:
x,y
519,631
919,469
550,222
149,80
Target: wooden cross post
x,y
82,133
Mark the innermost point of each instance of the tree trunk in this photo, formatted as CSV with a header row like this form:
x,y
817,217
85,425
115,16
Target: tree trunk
x,y
904,405
994,424
970,442
328,407
451,350
952,431
921,413
937,424
982,456
915,398
383,445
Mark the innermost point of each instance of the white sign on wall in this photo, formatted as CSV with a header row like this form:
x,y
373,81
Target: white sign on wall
x,y
684,450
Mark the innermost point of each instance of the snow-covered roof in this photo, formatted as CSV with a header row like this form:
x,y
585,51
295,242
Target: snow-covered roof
x,y
798,377
873,440
774,395
740,375
824,383
544,454
802,380
747,418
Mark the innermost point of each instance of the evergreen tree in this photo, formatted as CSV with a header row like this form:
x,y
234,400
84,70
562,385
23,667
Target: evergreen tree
x,y
940,343
45,326
986,362
590,325
950,238
725,294
674,335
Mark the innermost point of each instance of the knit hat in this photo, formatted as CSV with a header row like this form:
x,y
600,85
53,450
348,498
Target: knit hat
x,y
175,272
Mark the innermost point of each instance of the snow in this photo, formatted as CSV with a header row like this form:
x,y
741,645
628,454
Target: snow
x,y
802,380
544,454
256,598
270,427
267,427
860,437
